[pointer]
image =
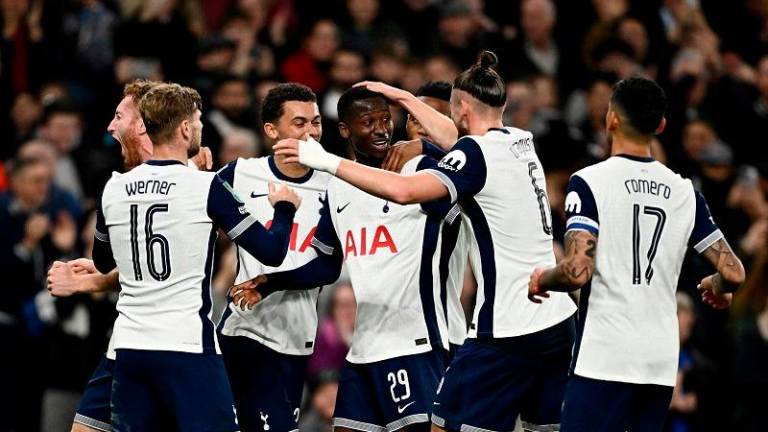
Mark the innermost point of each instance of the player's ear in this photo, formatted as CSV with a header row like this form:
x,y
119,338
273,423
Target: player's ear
x,y
270,130
141,128
184,126
344,130
612,120
662,125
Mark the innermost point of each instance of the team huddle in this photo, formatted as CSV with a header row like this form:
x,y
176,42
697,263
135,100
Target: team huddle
x,y
404,220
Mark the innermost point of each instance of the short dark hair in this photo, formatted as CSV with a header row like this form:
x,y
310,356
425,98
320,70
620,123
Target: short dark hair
x,y
436,89
482,82
60,106
272,107
352,95
641,102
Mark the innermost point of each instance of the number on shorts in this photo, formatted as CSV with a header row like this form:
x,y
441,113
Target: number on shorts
x,y
401,377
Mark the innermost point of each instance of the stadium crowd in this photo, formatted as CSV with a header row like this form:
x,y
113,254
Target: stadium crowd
x,y
63,65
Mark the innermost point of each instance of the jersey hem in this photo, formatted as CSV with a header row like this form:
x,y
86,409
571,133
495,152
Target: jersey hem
x,y
512,333
171,348
274,347
357,425
373,359
623,378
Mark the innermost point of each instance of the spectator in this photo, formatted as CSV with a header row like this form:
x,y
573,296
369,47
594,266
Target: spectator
x,y
231,108
62,127
323,391
308,66
334,333
239,143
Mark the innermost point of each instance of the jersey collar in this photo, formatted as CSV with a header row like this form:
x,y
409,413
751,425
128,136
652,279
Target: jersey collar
x,y
636,158
164,162
502,130
281,176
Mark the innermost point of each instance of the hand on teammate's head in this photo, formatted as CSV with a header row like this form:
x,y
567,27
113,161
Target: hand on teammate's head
x,y
281,192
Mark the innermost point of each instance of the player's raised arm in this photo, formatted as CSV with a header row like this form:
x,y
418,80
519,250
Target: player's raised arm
x,y
709,241
229,213
440,127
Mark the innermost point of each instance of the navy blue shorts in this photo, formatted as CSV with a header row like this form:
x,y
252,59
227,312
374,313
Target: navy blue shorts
x,y
492,381
152,388
94,409
266,384
390,394
607,406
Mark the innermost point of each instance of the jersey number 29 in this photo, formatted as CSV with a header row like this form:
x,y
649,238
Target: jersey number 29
x,y
152,240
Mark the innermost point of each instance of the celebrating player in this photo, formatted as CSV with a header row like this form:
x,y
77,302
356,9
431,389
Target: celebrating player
x,y
167,363
80,275
391,251
266,347
515,360
646,216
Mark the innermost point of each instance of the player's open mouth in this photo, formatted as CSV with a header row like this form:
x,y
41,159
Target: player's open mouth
x,y
381,144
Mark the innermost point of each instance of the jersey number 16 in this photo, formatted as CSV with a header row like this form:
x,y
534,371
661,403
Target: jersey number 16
x,y
152,240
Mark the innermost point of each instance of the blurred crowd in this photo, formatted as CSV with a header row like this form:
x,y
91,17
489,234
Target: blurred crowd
x,y
63,64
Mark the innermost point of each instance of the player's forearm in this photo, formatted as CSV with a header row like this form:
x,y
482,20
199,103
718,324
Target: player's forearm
x,y
270,246
730,271
558,278
108,282
439,127
387,185
323,270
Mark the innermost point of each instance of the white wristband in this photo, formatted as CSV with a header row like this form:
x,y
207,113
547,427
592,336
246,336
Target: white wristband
x,y
313,155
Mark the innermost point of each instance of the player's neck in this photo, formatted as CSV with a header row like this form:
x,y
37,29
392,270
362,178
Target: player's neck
x,y
169,152
621,144
368,160
294,170
481,126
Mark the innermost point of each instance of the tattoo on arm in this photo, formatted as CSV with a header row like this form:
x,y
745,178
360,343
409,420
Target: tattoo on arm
x,y
578,265
730,271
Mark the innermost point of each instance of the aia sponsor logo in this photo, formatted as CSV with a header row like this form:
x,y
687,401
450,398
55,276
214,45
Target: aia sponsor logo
x,y
364,242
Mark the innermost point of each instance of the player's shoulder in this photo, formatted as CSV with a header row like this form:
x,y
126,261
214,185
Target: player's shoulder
x,y
412,165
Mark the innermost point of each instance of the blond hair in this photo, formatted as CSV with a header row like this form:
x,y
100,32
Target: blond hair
x,y
165,106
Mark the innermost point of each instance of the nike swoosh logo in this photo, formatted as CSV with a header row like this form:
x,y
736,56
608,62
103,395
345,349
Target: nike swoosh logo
x,y
341,209
255,195
401,409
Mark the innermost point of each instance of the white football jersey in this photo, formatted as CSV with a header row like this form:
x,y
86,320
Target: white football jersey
x,y
392,254
499,184
644,216
454,254
161,220
284,321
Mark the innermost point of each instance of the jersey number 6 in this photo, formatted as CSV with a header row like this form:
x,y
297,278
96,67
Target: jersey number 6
x,y
152,239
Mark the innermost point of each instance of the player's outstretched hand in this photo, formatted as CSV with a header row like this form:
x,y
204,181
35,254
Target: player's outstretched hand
x,y
246,295
203,160
389,92
308,153
534,289
281,192
62,280
712,296
399,154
